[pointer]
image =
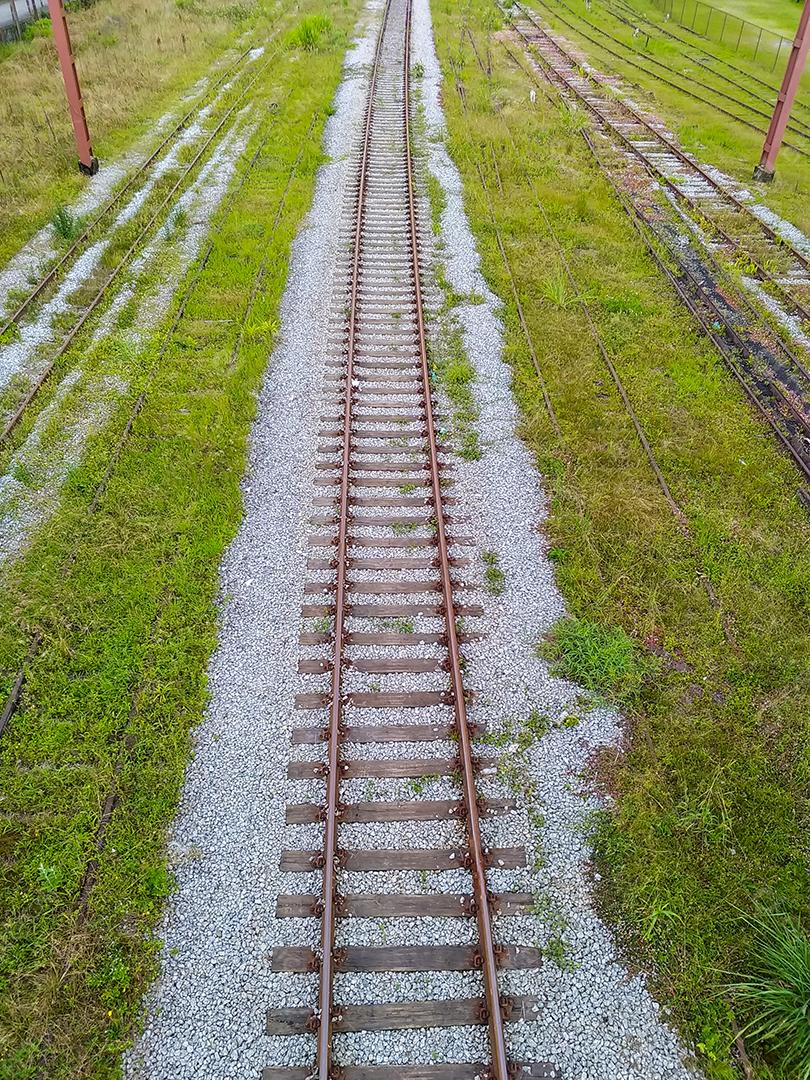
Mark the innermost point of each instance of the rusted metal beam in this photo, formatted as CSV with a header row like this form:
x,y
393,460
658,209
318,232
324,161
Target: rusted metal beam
x,y
88,163
790,84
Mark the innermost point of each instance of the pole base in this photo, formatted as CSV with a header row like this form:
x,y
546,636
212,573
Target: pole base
x,y
91,169
764,176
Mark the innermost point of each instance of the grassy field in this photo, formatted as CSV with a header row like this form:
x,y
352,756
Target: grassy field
x,y
134,62
125,601
780,16
700,634
701,128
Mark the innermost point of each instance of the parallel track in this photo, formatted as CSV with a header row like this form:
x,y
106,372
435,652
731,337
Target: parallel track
x,y
20,410
701,93
387,549
55,271
695,186
747,355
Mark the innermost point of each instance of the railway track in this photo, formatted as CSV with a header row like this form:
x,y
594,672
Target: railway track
x,y
702,93
389,565
742,232
61,265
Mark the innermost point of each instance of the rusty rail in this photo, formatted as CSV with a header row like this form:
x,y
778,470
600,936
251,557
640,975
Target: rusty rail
x,y
499,1068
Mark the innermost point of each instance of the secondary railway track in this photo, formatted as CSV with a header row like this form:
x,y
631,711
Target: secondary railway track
x,y
773,378
696,52
78,244
388,562
115,273
742,231
653,67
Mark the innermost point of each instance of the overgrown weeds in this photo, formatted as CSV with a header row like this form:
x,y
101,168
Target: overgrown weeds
x,y
601,659
312,34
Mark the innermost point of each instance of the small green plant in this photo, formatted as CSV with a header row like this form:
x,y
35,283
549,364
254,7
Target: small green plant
x,y
494,577
323,625
420,784
556,951
65,224
418,70
177,222
39,28
557,290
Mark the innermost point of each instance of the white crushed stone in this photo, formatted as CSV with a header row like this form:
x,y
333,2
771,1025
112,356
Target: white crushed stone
x,y
30,488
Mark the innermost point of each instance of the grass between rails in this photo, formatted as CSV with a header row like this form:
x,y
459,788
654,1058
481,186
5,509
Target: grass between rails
x,y
126,601
133,62
712,789
710,136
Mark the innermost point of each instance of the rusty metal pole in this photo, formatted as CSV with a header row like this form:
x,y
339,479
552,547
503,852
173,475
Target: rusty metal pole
x,y
87,162
784,102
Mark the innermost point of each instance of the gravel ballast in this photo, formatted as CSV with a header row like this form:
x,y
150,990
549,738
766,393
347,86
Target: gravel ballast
x,y
205,1015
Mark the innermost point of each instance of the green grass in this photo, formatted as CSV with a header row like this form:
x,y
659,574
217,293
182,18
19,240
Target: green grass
x,y
601,659
779,991
125,600
312,33
711,793
65,224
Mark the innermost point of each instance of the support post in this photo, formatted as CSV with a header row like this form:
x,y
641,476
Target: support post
x,y
784,102
87,163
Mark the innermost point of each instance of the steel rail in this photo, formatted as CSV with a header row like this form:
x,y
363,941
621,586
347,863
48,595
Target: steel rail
x,y
799,309
499,1068
323,1052
39,288
45,374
